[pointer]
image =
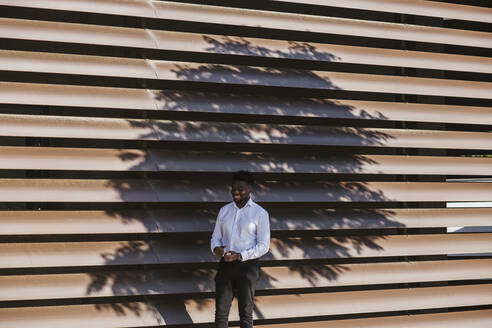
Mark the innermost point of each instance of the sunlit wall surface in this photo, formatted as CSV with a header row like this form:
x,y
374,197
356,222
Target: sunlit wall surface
x,y
121,122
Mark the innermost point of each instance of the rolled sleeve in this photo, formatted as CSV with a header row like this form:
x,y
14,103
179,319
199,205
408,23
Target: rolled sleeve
x,y
216,239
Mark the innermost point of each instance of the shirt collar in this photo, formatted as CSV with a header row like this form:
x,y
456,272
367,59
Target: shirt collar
x,y
248,203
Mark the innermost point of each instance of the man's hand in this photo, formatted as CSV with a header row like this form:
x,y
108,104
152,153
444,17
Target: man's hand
x,y
231,256
219,250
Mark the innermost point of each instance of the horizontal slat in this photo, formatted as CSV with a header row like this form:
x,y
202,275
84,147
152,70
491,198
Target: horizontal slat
x,y
103,190
218,44
154,160
319,52
144,99
93,222
160,282
243,133
269,307
318,24
475,319
24,29
113,315
54,158
169,251
115,7
296,248
76,127
28,61
248,75
286,218
301,22
411,7
25,61
48,255
83,96
144,8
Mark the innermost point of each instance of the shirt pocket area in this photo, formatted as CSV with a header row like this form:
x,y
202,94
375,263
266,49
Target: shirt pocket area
x,y
247,229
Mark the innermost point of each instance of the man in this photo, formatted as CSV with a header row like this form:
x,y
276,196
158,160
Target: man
x,y
240,237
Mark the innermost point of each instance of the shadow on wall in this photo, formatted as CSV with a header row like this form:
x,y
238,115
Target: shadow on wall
x,y
240,46
188,101
247,75
174,248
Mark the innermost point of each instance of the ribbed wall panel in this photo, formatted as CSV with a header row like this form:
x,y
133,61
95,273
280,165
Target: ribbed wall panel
x,y
286,21
121,122
14,125
200,311
286,218
169,282
154,100
240,46
121,160
410,7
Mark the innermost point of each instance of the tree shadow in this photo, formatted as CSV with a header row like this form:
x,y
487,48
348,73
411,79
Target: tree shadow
x,y
229,103
180,263
210,102
244,47
248,75
268,162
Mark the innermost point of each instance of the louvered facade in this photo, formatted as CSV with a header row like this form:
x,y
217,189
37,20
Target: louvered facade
x,y
122,121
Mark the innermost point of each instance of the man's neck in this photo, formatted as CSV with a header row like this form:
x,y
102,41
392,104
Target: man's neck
x,y
242,203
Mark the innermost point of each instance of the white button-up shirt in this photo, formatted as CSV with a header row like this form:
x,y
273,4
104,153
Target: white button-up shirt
x,y
244,230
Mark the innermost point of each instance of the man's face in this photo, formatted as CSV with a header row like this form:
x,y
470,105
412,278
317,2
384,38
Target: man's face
x,y
240,191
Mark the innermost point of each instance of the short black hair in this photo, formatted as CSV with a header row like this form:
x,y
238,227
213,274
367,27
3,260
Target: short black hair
x,y
245,176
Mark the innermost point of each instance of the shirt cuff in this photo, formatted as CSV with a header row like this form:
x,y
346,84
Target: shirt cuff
x,y
243,256
213,247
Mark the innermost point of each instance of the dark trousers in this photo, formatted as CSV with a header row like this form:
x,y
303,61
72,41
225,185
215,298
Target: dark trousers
x,y
235,278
